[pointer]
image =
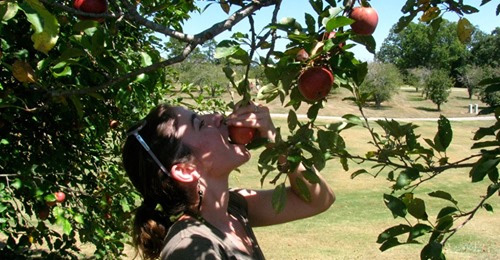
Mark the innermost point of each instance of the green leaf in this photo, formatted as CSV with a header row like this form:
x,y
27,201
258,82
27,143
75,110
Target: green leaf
x,y
50,197
488,207
395,205
310,175
464,30
343,161
443,137
8,10
292,120
419,230
443,195
226,48
367,40
446,211
492,88
65,72
406,177
83,25
485,144
303,190
433,251
78,218
312,112
78,105
337,22
391,242
67,228
16,184
4,142
311,27
317,5
353,119
46,36
492,188
125,205
416,208
482,167
393,232
358,172
279,198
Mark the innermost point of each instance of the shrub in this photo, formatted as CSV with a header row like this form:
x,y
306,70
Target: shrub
x,y
382,81
417,77
438,87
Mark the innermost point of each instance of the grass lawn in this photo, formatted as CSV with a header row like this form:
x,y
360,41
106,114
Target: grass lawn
x,y
349,229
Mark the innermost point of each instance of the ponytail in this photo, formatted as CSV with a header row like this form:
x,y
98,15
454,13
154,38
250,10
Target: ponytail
x,y
150,228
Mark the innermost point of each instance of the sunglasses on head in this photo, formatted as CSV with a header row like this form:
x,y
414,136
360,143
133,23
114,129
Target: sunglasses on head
x,y
143,143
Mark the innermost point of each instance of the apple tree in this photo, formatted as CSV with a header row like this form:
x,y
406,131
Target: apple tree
x,y
74,78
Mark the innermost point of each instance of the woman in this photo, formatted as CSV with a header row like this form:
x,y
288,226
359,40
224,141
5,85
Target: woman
x,y
180,162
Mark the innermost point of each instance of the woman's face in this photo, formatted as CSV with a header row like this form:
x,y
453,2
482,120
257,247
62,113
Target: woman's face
x,y
207,136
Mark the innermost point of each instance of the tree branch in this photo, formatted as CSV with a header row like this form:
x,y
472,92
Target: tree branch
x,y
274,19
179,58
470,214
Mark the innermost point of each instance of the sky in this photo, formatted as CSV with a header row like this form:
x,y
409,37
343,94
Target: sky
x,y
389,12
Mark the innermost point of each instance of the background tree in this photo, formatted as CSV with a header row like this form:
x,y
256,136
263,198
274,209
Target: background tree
x,y
417,77
438,87
484,48
420,46
382,81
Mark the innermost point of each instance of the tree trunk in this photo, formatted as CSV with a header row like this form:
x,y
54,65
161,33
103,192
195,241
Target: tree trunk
x,y
439,107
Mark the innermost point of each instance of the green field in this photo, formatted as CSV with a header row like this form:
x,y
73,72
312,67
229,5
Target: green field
x,y
349,229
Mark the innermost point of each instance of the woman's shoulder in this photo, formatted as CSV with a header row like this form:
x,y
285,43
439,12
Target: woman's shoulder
x,y
190,238
237,201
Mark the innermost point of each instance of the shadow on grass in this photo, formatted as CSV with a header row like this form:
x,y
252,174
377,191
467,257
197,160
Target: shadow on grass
x,y
428,109
466,98
416,98
380,108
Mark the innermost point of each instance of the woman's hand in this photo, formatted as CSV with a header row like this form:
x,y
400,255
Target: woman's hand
x,y
255,116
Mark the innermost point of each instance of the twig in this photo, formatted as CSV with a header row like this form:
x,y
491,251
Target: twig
x,y
470,214
179,58
274,19
252,46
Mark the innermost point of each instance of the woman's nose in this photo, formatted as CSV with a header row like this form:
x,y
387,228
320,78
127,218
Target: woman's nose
x,y
215,120
218,119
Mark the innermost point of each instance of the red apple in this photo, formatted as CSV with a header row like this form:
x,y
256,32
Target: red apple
x,y
91,6
366,19
315,83
113,124
60,196
241,135
43,214
302,55
331,35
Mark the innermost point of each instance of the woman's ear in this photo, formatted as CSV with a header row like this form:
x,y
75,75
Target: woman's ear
x,y
184,172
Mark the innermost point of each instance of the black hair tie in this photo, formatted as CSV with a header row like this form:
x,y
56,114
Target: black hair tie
x,y
150,203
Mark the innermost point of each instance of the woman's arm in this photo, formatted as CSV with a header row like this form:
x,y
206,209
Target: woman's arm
x,y
260,210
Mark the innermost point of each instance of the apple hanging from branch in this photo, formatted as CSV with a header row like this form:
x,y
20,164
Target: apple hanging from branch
x,y
366,20
315,83
91,6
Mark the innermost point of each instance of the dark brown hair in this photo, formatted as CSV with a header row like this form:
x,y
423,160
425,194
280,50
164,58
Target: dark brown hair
x,y
150,224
